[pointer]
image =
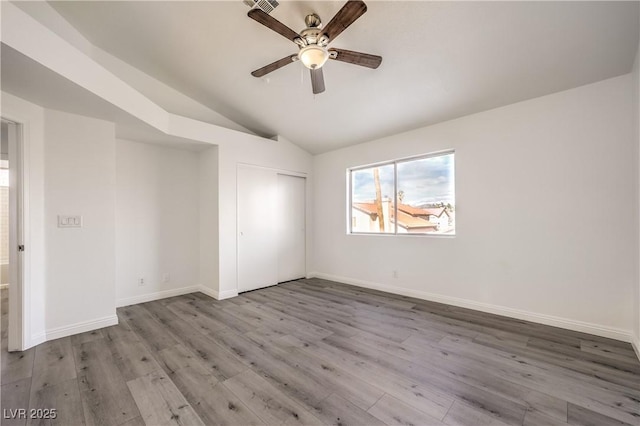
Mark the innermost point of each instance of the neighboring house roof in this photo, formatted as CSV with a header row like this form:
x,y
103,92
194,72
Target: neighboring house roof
x,y
412,222
405,220
415,211
368,208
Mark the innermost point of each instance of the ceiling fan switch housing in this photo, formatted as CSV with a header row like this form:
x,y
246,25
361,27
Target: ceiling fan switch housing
x,y
312,21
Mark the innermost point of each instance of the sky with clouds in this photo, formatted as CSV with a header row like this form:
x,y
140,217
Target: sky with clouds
x,y
427,180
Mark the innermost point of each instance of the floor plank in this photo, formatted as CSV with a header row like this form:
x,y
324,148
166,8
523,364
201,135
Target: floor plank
x,y
223,407
577,415
394,412
464,387
16,365
223,362
547,405
160,402
15,397
433,401
53,364
147,328
132,357
538,418
105,396
462,414
270,404
188,311
89,336
335,410
606,398
64,397
348,386
188,372
289,379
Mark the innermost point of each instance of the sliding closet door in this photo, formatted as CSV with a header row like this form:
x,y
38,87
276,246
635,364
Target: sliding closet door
x,y
291,227
257,254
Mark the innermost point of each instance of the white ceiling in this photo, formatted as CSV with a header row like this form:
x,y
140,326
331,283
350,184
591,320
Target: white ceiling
x,y
442,60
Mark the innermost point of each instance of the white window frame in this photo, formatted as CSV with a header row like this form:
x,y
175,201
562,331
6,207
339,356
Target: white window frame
x,y
395,194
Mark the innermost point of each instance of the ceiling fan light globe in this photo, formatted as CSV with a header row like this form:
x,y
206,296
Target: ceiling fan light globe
x,y
313,57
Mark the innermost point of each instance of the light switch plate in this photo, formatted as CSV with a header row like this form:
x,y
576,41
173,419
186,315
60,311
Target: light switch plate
x,y
69,221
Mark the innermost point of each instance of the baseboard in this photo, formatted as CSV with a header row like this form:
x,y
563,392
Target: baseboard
x,y
150,297
569,324
81,327
209,292
36,340
227,294
636,345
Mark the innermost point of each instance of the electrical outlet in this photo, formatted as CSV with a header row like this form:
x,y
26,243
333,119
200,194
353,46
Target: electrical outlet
x,y
166,278
394,273
140,281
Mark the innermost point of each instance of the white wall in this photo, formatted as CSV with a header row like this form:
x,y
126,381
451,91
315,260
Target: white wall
x,y
157,221
208,203
80,174
519,169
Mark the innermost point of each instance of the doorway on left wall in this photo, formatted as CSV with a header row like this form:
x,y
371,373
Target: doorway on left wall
x,y
4,207
4,231
11,238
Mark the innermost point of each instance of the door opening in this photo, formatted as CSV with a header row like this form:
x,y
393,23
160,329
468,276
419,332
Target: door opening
x,y
12,244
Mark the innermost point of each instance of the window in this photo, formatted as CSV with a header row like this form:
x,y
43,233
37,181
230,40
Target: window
x,y
407,196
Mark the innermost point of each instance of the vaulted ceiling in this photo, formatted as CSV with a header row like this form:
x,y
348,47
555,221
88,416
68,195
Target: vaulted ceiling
x,y
442,60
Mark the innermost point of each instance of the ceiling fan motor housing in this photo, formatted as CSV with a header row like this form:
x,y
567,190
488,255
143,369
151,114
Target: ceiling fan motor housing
x,y
313,44
313,35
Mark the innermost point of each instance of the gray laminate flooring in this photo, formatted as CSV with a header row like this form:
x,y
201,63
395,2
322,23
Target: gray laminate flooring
x,y
314,352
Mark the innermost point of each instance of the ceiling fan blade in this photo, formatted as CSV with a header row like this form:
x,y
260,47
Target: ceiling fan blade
x,y
357,58
272,23
261,72
317,81
346,16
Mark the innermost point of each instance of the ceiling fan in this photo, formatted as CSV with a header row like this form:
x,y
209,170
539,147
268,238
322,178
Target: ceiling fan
x,y
313,42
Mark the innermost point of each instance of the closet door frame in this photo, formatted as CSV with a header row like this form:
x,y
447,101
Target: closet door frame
x,y
275,172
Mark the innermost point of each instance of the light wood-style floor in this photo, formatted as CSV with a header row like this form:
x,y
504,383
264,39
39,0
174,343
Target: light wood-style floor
x,y
317,352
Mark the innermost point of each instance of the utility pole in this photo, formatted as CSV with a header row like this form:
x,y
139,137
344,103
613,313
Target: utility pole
x,y
376,180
